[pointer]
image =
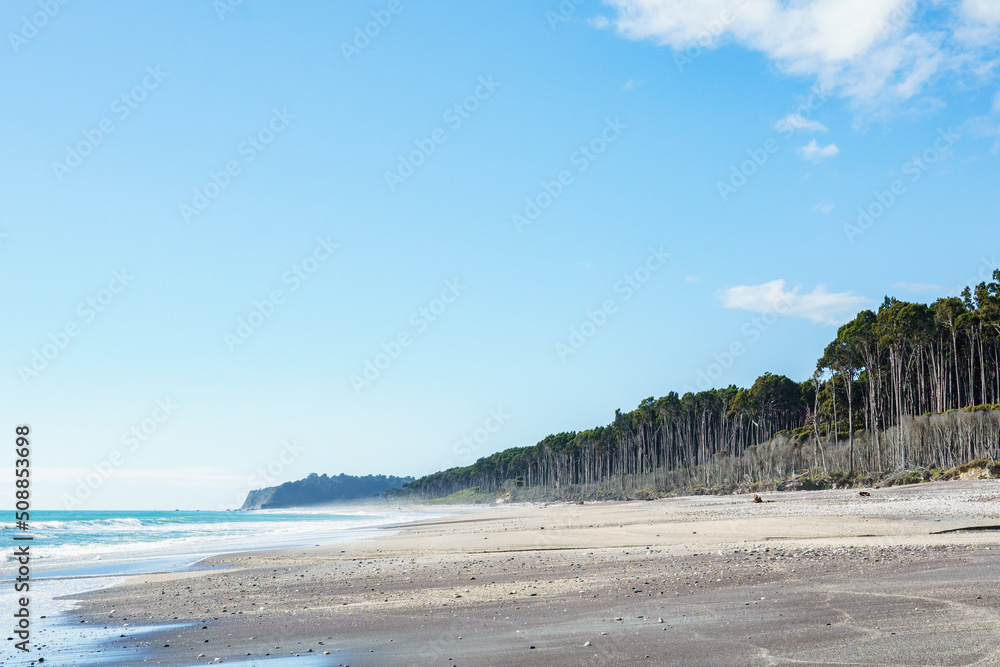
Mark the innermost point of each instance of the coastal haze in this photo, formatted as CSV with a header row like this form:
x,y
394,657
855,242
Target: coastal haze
x,y
639,126
814,578
621,332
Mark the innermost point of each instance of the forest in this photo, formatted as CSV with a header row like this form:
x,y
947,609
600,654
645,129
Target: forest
x,y
322,490
911,387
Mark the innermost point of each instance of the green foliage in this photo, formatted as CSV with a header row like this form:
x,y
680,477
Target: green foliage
x,y
320,489
992,468
938,360
470,496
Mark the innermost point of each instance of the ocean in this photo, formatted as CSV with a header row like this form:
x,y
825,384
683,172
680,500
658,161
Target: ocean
x,y
73,552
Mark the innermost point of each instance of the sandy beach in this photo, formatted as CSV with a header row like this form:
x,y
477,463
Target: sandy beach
x,y
905,576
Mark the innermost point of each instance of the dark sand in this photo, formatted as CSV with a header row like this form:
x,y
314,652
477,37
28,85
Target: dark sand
x,y
814,578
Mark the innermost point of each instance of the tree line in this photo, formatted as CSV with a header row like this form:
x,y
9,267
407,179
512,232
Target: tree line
x,y
909,385
321,489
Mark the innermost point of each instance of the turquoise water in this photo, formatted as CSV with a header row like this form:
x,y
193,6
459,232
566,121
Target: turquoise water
x,y
65,539
78,551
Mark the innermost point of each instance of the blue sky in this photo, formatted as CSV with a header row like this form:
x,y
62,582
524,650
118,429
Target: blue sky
x,y
592,203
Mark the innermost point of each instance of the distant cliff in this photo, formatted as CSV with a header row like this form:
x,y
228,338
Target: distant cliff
x,y
320,489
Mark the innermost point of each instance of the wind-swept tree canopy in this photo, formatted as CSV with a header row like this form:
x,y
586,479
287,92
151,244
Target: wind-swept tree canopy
x,y
870,406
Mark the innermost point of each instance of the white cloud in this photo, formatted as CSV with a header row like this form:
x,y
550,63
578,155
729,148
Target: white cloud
x,y
986,12
918,288
981,126
824,207
871,51
794,121
690,279
818,306
631,84
980,20
814,152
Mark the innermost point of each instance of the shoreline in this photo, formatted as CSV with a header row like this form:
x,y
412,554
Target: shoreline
x,y
554,577
57,584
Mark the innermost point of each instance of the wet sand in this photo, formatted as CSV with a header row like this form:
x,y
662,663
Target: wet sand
x,y
812,578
